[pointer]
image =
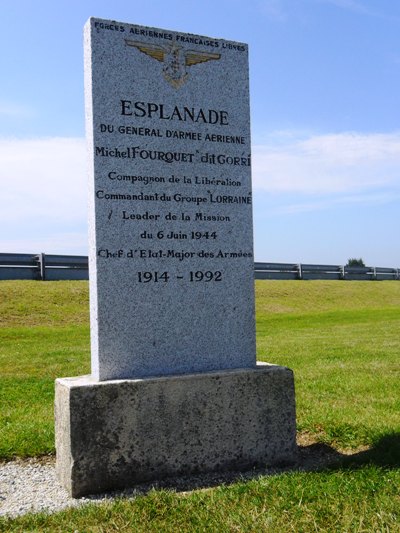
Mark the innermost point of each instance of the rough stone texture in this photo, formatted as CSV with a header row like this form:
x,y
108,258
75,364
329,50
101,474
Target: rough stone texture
x,y
119,433
182,218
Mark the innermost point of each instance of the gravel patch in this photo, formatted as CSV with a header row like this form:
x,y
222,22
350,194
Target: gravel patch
x,y
31,486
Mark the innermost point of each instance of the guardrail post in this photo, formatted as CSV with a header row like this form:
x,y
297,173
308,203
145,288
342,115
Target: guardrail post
x,y
343,272
41,259
299,271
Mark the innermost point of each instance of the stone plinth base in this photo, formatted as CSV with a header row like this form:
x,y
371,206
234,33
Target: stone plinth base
x,y
115,434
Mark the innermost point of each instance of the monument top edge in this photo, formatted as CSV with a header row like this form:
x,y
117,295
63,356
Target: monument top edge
x,y
123,26
90,381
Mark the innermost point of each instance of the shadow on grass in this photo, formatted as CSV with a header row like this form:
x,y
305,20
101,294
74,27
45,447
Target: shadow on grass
x,y
384,453
318,457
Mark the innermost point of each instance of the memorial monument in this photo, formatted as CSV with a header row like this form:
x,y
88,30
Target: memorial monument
x,y
175,387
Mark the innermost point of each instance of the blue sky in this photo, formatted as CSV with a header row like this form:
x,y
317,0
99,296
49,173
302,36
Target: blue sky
x,y
325,93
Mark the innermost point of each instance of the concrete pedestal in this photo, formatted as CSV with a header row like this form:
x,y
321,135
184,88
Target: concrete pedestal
x,y
115,434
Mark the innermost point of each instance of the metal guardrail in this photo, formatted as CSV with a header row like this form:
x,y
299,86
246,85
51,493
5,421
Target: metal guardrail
x,y
43,267
75,267
306,271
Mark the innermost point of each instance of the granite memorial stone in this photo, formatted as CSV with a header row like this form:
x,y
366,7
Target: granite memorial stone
x,y
171,239
175,388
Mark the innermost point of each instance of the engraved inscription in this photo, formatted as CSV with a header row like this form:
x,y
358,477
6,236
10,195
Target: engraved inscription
x,y
171,198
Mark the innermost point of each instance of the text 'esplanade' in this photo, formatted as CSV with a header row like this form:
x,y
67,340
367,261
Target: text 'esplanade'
x,y
183,114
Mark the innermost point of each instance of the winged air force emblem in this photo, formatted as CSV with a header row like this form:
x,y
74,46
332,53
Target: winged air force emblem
x,y
175,59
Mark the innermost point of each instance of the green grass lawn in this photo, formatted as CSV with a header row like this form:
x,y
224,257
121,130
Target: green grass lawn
x,y
44,334
342,339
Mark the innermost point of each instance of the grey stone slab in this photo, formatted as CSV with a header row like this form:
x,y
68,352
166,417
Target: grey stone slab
x,y
170,223
115,434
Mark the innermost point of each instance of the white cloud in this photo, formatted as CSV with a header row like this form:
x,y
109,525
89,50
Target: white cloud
x,y
43,201
325,203
13,110
327,164
44,193
42,177
57,242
